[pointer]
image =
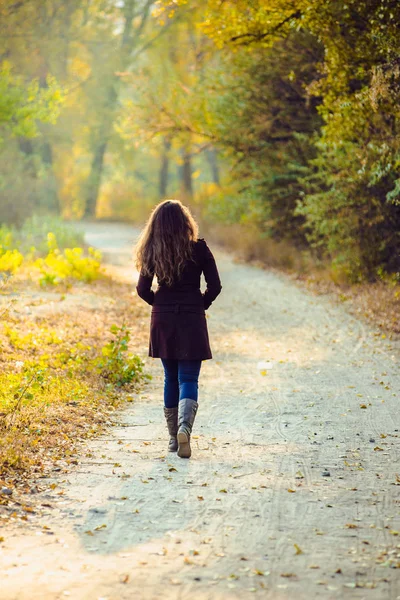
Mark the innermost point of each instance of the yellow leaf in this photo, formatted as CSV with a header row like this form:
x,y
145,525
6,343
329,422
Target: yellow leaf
x,y
298,549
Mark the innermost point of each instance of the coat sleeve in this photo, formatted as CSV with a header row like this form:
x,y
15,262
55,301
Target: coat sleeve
x,y
211,276
143,288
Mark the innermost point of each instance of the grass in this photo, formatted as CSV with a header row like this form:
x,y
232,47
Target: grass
x,y
33,234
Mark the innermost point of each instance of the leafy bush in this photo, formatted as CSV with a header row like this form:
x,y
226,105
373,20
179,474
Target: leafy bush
x,y
70,264
57,244
115,364
10,260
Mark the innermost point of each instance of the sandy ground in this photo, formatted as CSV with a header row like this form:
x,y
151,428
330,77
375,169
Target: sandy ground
x,y
293,487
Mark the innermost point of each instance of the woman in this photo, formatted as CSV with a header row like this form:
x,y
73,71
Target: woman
x,y
170,249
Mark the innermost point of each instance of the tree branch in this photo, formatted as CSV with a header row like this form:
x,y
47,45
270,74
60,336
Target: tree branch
x,y
257,37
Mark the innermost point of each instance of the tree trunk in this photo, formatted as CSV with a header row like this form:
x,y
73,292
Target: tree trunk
x,y
129,37
94,180
186,175
26,146
163,180
212,158
52,201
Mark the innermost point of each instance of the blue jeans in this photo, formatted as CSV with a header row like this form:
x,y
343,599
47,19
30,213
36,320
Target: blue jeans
x,y
181,380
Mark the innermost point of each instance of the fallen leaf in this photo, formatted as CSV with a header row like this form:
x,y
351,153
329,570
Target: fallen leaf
x,y
291,491
298,549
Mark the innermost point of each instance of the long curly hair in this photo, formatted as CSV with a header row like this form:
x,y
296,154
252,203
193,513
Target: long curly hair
x,y
166,242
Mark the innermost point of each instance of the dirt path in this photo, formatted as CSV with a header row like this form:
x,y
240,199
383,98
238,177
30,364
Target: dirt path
x,y
293,487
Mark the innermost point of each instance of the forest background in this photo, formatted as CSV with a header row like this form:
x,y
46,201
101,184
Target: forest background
x,y
276,120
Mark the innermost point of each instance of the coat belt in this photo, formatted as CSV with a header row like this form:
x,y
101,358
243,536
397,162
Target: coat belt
x,y
177,308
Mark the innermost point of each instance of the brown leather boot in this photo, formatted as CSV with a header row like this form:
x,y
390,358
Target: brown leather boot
x,y
187,412
171,415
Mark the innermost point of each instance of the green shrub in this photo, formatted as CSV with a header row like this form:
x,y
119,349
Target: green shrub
x,y
116,365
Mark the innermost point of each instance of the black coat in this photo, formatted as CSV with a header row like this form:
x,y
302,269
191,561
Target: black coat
x,y
178,327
